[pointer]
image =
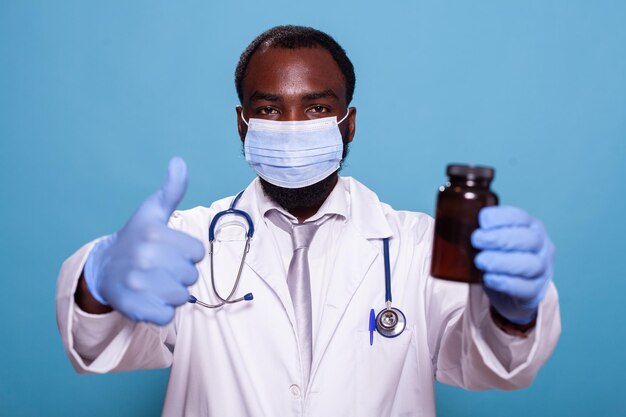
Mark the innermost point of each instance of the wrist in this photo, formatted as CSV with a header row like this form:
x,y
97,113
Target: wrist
x,y
517,327
93,266
85,300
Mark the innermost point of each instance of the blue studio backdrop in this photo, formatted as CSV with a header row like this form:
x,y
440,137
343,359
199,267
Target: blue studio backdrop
x,y
95,97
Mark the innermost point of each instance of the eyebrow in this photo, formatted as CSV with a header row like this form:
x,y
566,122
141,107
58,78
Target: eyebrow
x,y
319,94
261,96
314,95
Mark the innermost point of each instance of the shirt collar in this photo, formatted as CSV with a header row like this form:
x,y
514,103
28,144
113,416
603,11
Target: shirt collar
x,y
337,202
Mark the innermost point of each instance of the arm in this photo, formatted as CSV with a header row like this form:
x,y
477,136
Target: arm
x,y
497,335
471,352
116,297
108,342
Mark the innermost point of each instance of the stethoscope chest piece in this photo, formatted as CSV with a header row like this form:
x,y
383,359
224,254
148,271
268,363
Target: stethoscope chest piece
x,y
390,322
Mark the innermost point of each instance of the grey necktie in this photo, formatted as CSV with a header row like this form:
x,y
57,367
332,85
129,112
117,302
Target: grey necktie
x,y
299,282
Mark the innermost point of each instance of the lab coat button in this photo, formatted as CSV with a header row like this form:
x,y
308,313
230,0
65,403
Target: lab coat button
x,y
294,390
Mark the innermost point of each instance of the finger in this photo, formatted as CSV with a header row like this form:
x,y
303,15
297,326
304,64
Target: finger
x,y
168,289
187,274
159,314
499,216
186,245
145,307
190,247
508,239
157,286
523,264
514,309
156,257
160,205
516,287
548,252
174,188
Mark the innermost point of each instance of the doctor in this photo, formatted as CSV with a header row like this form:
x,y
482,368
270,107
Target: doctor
x,y
315,267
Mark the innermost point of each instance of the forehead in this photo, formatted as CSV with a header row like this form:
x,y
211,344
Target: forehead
x,y
298,71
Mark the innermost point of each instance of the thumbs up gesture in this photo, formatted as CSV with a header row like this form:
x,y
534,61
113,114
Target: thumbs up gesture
x,y
144,269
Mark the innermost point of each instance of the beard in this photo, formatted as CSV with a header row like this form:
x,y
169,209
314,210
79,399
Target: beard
x,y
306,197
300,198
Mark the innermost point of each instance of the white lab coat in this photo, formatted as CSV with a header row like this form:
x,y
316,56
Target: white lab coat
x,y
242,360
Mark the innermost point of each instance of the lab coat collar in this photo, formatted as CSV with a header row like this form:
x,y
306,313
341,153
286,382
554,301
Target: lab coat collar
x,y
366,210
349,199
337,203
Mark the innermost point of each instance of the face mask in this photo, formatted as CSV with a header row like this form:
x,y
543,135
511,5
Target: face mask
x,y
294,154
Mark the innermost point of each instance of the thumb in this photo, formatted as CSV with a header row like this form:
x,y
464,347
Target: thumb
x,y
160,205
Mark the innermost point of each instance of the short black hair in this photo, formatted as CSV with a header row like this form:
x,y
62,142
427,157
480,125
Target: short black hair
x,y
295,37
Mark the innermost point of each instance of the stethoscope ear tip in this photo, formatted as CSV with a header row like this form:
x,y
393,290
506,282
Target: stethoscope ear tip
x,y
248,297
192,299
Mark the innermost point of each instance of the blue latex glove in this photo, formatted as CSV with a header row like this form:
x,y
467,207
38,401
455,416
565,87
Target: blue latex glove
x,y
144,269
517,259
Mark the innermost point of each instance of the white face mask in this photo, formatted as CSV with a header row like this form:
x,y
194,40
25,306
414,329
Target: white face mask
x,y
294,154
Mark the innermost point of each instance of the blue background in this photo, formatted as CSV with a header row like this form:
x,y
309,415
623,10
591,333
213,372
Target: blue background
x,y
96,96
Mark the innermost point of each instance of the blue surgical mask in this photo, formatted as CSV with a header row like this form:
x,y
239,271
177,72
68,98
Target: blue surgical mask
x,y
294,154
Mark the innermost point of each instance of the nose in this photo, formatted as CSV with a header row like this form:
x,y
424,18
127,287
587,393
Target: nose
x,y
292,114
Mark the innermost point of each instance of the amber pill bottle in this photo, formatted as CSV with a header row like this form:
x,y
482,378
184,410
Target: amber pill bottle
x,y
458,204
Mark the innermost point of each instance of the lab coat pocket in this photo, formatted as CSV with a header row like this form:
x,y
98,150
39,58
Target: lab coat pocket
x,y
228,251
386,374
230,233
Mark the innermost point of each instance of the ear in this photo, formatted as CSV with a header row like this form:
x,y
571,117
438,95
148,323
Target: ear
x,y
351,124
241,126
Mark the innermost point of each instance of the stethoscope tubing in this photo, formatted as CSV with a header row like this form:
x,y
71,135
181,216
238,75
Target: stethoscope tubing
x,y
387,271
390,321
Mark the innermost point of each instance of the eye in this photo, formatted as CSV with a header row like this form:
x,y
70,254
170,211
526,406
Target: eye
x,y
266,110
318,109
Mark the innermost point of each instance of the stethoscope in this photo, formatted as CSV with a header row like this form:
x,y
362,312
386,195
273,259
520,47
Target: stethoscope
x,y
249,233
390,321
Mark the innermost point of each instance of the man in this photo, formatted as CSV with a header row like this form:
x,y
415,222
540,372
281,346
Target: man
x,y
315,267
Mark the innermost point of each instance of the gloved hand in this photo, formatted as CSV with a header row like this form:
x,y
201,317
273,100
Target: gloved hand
x,y
144,269
517,259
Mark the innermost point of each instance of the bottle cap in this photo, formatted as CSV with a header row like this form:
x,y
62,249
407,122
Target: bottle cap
x,y
470,172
